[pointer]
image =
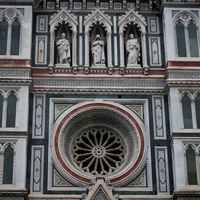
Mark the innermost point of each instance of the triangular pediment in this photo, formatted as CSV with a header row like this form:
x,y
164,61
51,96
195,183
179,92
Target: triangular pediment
x,y
66,16
100,191
98,16
132,16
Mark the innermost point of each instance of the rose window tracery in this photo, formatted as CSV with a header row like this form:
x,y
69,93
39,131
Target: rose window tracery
x,y
98,151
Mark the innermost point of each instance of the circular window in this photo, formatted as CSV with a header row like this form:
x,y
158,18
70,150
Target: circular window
x,y
99,140
98,151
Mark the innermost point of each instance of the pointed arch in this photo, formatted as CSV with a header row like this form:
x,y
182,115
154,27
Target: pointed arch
x,y
95,17
187,29
71,21
140,23
13,35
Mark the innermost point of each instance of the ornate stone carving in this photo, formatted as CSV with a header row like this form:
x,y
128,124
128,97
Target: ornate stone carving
x,y
133,50
63,48
71,20
59,181
98,54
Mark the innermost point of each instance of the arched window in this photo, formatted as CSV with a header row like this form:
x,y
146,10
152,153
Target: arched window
x,y
11,110
180,34
8,165
15,39
192,31
191,166
1,109
187,113
187,35
3,36
11,21
197,107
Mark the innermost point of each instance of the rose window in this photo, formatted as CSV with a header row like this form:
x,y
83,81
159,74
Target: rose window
x,y
98,151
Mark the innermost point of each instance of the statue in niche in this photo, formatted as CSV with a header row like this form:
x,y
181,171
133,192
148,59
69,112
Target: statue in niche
x,y
98,54
133,50
63,48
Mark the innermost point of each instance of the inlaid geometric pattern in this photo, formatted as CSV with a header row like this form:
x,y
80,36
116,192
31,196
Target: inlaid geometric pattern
x,y
162,170
159,121
50,5
37,169
38,117
117,6
104,5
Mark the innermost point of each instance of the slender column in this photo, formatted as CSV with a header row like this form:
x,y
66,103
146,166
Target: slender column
x,y
1,166
74,42
17,113
51,64
185,167
187,40
198,166
9,38
121,40
194,120
86,49
5,104
144,48
109,49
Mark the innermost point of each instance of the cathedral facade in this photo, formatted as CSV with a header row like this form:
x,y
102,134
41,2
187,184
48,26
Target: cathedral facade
x,y
99,100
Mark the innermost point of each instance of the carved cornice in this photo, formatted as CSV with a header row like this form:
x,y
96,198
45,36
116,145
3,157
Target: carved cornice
x,y
98,84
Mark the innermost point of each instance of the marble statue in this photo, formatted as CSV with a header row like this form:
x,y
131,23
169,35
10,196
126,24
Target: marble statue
x,y
133,50
98,51
63,48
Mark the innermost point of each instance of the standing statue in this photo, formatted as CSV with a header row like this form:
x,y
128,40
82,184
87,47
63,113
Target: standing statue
x,y
133,50
63,48
98,51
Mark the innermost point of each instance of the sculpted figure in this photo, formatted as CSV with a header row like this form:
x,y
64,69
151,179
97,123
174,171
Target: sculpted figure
x,y
63,48
98,50
133,50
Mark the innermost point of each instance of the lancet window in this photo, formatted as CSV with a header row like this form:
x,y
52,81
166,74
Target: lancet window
x,y
191,159
8,108
10,32
7,160
187,34
190,105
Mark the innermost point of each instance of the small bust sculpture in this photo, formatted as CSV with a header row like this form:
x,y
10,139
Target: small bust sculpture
x,y
133,50
98,54
63,48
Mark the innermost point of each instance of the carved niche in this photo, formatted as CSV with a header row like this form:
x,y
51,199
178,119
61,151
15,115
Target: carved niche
x,y
132,27
98,48
63,40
